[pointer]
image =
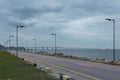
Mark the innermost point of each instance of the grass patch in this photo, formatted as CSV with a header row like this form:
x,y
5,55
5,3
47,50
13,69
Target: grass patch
x,y
14,68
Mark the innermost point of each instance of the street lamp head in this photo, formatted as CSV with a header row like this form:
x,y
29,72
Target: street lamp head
x,y
53,34
34,39
108,19
20,26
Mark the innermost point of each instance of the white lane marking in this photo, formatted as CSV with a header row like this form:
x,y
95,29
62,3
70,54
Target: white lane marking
x,y
81,74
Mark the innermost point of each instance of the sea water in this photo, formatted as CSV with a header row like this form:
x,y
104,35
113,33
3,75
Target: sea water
x,y
90,53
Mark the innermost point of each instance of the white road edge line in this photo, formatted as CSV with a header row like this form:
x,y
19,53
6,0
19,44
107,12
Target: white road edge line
x,y
81,74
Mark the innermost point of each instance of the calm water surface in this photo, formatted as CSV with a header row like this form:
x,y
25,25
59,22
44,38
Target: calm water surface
x,y
90,53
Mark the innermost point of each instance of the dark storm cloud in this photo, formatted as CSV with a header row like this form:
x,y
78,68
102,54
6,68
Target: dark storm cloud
x,y
27,12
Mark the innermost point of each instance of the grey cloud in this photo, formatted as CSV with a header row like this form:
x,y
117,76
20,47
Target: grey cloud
x,y
27,12
57,16
94,7
18,16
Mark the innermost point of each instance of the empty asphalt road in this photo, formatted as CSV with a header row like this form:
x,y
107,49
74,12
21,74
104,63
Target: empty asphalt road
x,y
92,70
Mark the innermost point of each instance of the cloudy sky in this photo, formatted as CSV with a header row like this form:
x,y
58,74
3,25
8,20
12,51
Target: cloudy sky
x,y
77,23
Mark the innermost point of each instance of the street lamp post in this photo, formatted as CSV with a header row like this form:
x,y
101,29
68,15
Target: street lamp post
x,y
35,44
55,41
10,41
17,38
113,20
27,46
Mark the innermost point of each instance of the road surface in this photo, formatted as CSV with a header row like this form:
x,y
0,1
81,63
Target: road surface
x,y
91,70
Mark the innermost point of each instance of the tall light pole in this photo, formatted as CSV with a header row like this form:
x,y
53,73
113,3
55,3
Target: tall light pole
x,y
26,46
10,41
35,44
17,38
113,20
55,41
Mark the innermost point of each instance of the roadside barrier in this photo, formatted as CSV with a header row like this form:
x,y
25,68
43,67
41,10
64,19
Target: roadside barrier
x,y
34,64
42,68
62,76
47,70
22,59
65,77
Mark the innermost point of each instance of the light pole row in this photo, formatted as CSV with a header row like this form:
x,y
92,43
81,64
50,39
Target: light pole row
x,y
55,43
108,19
